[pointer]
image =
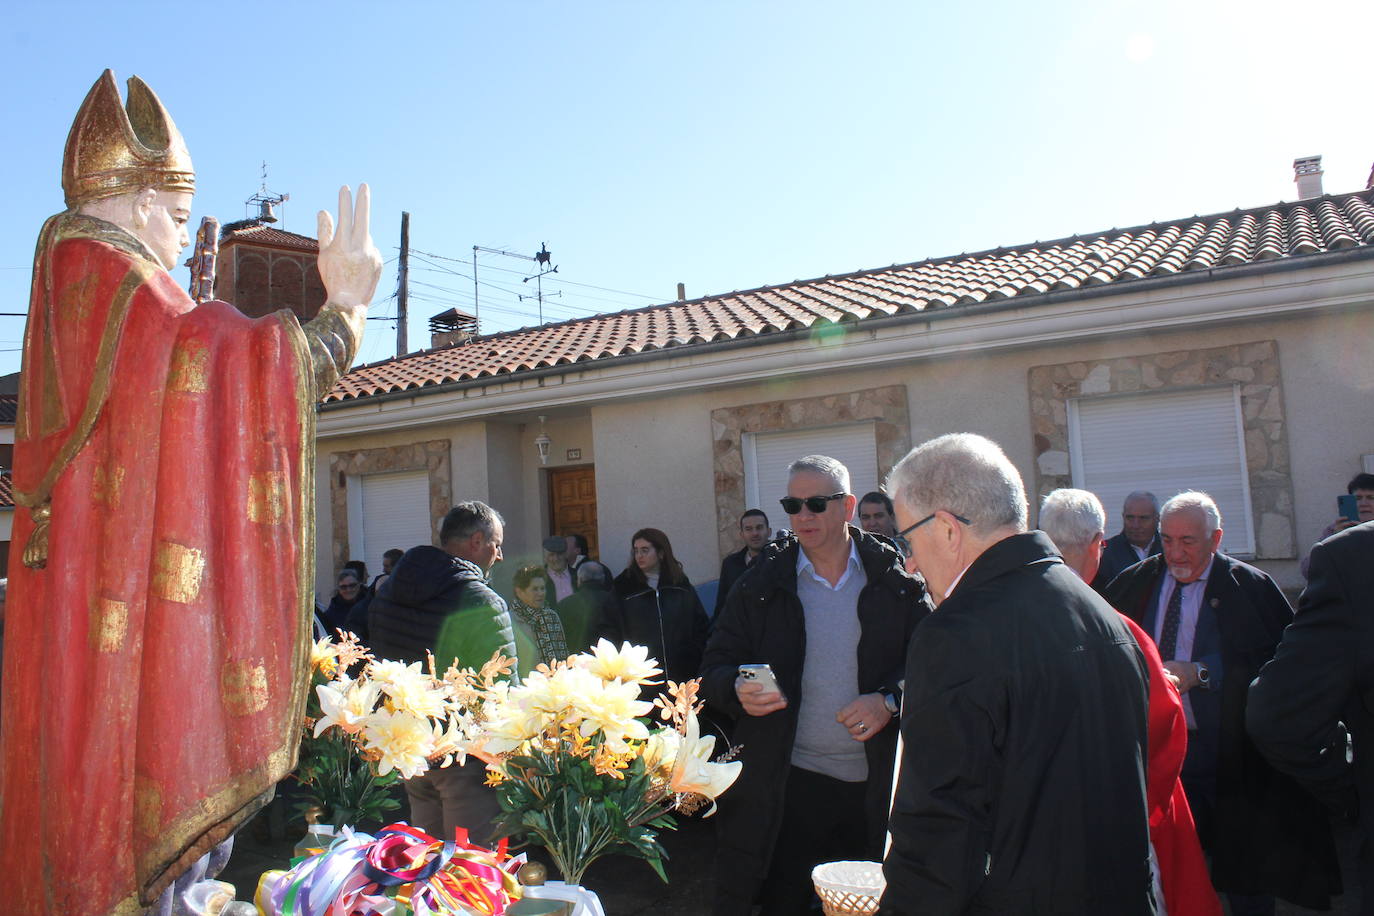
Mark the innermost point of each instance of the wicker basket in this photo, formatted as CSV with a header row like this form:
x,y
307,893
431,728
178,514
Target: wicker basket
x,y
849,888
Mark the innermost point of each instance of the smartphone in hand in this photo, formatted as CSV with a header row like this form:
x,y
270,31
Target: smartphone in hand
x,y
761,674
1349,507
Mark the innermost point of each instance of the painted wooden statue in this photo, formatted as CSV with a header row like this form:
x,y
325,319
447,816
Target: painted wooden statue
x,y
161,588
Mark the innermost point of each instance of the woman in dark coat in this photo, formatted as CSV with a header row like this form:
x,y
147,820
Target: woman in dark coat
x,y
657,607
348,609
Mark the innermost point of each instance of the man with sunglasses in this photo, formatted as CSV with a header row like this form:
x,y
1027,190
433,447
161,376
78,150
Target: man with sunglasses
x,y
1021,786
830,609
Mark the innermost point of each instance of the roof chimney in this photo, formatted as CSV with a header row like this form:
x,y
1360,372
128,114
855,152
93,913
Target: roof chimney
x,y
1369,185
682,292
1307,173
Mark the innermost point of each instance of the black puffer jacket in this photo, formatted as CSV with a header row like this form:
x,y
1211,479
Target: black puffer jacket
x,y
670,621
436,601
763,621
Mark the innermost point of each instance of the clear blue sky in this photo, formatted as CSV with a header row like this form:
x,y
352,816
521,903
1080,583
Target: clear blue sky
x,y
722,145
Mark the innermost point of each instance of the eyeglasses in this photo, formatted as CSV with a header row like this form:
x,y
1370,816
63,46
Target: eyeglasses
x,y
905,531
816,504
347,585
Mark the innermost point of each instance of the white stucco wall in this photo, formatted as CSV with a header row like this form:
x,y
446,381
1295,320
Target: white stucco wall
x,y
653,453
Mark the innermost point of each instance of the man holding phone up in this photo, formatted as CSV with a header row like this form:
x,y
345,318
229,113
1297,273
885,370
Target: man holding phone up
x,y
829,610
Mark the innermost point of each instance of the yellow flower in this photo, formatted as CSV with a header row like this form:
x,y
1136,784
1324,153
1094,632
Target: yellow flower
x,y
346,703
613,708
629,663
660,751
404,741
324,657
693,772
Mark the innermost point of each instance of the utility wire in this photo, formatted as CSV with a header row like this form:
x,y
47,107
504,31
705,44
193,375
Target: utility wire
x,y
604,289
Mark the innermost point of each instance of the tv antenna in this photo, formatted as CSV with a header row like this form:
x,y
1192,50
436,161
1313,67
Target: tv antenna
x,y
543,259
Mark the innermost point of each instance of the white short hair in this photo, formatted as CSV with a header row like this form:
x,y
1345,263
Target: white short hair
x,y
829,468
963,473
1072,518
1194,499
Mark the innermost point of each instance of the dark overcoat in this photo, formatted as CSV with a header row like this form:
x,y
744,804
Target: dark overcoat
x,y
1318,691
1024,731
763,622
1269,835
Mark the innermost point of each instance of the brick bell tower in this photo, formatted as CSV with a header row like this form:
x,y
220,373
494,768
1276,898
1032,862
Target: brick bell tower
x,y
261,268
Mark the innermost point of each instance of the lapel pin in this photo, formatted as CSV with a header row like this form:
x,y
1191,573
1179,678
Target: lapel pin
x,y
1215,602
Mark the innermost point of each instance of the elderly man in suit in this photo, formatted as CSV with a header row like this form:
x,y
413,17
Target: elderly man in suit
x,y
1137,539
1317,695
1216,621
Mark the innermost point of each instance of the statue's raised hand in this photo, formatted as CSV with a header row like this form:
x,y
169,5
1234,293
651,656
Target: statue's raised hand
x,y
350,264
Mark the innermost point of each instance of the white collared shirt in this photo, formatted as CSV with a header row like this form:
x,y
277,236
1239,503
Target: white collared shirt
x,y
805,565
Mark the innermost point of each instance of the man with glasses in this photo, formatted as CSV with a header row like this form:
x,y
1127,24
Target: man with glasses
x,y
1021,785
830,610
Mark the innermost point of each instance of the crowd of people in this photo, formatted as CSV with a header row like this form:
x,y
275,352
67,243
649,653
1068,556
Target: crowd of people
x,y
1012,720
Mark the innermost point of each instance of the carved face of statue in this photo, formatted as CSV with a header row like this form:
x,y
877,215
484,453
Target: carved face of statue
x,y
160,220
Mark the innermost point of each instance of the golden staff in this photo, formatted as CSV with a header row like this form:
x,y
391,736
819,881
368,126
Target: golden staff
x,y
203,263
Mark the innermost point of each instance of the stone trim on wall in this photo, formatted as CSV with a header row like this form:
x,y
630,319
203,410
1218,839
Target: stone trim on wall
x,y
1253,366
432,456
886,406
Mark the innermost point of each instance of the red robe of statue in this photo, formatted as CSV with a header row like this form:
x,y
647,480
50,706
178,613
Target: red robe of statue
x,y
156,666
1182,869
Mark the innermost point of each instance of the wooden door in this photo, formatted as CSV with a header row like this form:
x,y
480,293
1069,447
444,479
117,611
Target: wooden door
x,y
572,503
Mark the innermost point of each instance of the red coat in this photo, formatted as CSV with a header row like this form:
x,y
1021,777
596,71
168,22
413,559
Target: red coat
x,y
1182,869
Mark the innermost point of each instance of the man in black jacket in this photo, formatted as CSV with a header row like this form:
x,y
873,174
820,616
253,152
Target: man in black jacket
x,y
755,531
1216,621
1319,689
1137,540
437,598
1021,788
830,610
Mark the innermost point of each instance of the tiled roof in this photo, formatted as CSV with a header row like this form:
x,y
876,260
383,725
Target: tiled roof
x,y
1115,258
6,491
9,408
255,232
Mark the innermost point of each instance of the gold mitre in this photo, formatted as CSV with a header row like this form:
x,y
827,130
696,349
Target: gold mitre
x,y
112,151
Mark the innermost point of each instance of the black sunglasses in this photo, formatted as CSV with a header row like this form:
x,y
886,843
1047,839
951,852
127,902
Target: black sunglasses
x,y
901,535
793,504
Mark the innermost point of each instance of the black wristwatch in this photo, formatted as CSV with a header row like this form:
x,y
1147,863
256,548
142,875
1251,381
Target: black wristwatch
x,y
890,701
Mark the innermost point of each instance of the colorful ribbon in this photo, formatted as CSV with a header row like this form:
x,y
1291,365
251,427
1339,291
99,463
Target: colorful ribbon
x,y
363,875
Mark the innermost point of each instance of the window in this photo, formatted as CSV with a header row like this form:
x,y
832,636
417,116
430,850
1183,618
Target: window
x,y
392,511
1165,442
767,455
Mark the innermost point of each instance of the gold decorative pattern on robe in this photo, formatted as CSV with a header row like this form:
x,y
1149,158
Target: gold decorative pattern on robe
x,y
190,370
267,497
243,686
108,486
147,806
109,622
177,572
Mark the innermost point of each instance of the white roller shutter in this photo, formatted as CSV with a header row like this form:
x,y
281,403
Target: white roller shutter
x,y
1165,442
767,455
395,513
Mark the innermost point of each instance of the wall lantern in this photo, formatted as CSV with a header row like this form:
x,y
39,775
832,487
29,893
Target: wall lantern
x,y
542,442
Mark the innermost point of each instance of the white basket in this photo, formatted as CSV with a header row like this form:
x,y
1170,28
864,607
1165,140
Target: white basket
x,y
849,888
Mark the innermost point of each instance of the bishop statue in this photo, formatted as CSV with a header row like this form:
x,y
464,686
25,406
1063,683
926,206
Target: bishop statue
x,y
160,593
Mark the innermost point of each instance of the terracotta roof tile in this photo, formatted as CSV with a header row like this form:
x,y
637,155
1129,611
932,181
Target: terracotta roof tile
x,y
6,491
1118,257
259,234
